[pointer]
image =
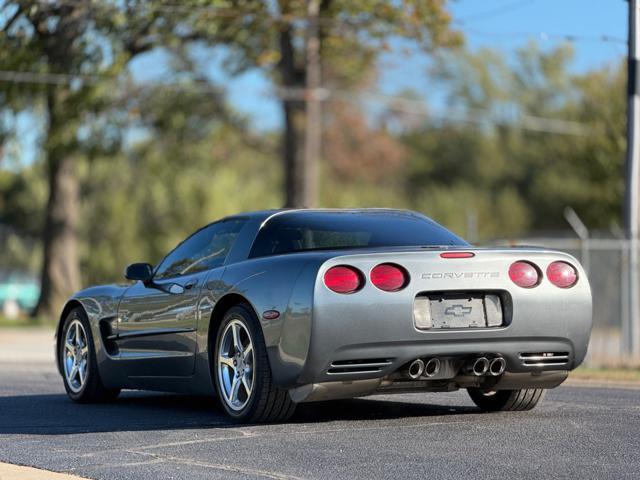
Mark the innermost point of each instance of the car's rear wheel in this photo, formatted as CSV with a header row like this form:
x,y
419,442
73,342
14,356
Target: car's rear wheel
x,y
506,400
78,361
242,374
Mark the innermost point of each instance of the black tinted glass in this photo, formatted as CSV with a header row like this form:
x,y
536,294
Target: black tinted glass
x,y
204,250
299,231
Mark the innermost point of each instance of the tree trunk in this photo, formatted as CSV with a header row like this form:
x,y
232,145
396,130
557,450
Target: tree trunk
x,y
301,103
292,78
60,270
313,126
293,151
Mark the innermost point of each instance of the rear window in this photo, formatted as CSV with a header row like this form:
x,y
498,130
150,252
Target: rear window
x,y
303,231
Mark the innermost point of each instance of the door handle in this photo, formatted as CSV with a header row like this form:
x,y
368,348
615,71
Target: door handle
x,y
190,284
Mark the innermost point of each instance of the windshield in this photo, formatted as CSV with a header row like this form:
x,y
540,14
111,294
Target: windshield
x,y
306,230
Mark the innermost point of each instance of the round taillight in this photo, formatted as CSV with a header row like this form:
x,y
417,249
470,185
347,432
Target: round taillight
x,y
343,279
524,274
562,274
389,277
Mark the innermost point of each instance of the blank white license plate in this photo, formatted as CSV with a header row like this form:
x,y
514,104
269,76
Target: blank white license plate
x,y
465,310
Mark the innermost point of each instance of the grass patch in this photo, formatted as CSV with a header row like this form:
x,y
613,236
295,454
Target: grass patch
x,y
24,321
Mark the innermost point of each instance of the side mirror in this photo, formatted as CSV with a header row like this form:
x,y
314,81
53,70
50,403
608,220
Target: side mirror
x,y
139,271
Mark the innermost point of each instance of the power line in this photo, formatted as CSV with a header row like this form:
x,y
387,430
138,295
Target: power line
x,y
551,36
398,103
178,8
155,5
418,107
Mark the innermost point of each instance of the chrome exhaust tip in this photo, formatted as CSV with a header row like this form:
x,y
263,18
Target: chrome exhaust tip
x,y
497,366
479,367
416,369
432,367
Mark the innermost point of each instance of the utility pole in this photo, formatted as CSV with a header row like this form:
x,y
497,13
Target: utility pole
x,y
313,106
632,335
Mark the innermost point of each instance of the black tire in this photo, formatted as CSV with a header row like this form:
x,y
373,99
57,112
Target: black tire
x,y
92,389
506,400
267,403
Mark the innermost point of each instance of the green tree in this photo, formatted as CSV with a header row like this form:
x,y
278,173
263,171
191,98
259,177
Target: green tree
x,y
68,56
275,37
94,41
190,163
537,138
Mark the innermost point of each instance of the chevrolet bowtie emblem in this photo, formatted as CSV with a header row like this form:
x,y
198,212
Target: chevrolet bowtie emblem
x,y
457,310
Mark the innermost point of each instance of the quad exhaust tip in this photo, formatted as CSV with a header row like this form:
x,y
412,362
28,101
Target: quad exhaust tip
x,y
497,366
480,366
432,367
419,368
416,369
483,366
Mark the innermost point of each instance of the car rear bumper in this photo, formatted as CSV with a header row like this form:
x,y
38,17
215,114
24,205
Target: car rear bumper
x,y
372,334
545,328
365,369
366,361
315,392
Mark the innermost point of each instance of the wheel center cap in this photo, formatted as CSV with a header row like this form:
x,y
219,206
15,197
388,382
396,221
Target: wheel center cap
x,y
239,363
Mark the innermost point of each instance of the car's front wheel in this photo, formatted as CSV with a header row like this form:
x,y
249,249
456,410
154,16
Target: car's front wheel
x,y
506,400
78,361
241,371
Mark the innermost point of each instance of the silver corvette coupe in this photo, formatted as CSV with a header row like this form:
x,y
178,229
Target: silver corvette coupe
x,y
269,309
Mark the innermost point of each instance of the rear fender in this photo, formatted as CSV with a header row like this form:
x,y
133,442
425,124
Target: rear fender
x,y
283,284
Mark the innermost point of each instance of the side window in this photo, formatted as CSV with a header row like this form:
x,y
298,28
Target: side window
x,y
204,250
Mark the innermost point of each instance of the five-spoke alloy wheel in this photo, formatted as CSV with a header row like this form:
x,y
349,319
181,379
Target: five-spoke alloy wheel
x,y
76,355
236,360
241,371
78,364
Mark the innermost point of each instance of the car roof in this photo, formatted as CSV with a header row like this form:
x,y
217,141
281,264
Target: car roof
x,y
264,215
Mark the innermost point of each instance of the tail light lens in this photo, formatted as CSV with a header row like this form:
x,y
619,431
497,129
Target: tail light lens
x,y
562,274
524,274
389,277
344,279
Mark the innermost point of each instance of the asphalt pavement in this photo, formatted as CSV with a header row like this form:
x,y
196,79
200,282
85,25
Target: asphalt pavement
x,y
577,432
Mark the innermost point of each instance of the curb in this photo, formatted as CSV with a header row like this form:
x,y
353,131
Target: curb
x,y
9,471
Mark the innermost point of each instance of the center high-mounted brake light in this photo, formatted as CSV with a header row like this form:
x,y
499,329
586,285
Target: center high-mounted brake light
x,y
389,277
457,255
524,274
344,279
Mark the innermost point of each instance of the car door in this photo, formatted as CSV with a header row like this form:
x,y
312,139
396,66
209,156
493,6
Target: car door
x,y
158,320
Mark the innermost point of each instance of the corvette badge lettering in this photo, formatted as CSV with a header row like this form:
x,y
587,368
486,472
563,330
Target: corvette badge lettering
x,y
455,275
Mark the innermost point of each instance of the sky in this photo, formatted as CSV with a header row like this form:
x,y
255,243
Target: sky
x,y
501,24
